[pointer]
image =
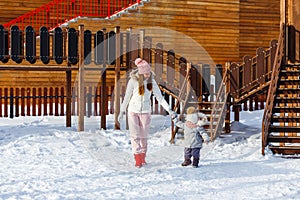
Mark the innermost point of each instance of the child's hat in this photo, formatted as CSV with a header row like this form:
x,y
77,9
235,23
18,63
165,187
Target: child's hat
x,y
143,66
192,118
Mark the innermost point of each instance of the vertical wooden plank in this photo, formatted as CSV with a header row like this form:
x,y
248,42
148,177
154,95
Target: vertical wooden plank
x,y
134,49
56,98
51,101
45,102
247,73
1,101
158,67
96,101
195,79
117,79
234,68
28,103
11,103
85,101
218,77
272,56
170,68
261,65
22,101
80,103
170,74
74,100
5,102
292,43
141,43
205,81
39,101
112,100
33,101
17,108
89,101
147,49
103,88
68,98
62,101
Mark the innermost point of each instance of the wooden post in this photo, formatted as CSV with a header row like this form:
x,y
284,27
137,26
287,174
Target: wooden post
x,y
69,96
141,43
103,84
228,88
117,78
81,97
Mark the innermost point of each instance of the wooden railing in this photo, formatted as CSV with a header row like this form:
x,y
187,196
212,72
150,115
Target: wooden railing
x,y
58,12
253,74
280,53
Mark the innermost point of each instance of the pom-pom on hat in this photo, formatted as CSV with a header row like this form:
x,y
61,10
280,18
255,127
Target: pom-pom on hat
x,y
190,110
143,66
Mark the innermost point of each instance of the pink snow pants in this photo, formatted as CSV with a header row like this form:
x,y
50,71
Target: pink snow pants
x,y
139,124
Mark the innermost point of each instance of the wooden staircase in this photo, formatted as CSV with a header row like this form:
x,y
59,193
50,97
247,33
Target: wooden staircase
x,y
281,120
284,130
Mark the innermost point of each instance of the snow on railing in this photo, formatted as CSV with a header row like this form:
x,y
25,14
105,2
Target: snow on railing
x,y
58,12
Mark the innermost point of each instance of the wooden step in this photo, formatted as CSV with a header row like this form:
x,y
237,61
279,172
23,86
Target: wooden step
x,y
286,109
288,90
287,100
286,119
289,73
285,150
285,139
284,81
284,129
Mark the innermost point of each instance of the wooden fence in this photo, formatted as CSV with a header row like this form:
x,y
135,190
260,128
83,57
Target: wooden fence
x,y
110,52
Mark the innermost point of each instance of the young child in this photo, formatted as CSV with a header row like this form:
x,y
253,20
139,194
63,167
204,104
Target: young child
x,y
194,135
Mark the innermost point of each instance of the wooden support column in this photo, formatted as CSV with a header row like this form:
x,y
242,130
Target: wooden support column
x,y
103,84
69,97
81,102
228,88
117,78
141,43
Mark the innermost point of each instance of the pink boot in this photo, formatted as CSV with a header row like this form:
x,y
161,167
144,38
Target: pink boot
x,y
143,156
138,161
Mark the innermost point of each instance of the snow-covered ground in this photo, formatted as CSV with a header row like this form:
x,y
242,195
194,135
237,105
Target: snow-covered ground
x,y
42,159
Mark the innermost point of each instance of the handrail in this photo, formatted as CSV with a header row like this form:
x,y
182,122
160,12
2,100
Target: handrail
x,y
58,12
272,89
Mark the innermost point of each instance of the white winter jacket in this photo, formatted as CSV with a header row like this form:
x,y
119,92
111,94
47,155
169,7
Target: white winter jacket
x,y
193,136
141,103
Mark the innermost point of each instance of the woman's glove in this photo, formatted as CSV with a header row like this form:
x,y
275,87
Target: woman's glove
x,y
173,114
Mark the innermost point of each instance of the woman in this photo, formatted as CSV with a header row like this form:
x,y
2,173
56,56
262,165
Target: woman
x,y
139,89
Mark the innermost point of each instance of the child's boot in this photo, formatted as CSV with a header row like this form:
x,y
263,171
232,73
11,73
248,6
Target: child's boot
x,y
195,162
138,162
143,157
187,161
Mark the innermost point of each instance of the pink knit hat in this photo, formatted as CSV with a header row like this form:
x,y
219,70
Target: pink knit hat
x,y
143,66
